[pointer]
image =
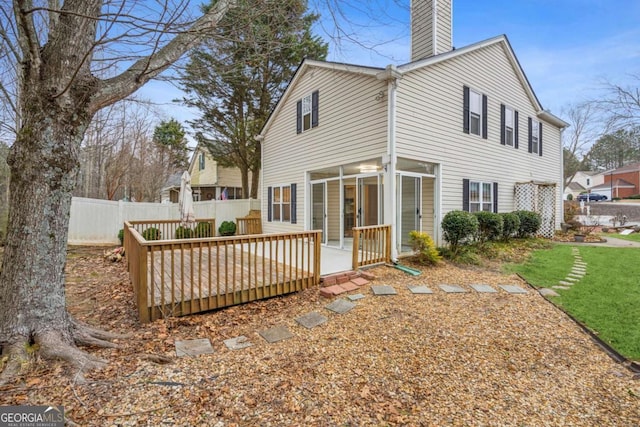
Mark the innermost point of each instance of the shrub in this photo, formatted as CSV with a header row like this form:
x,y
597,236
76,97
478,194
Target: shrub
x,y
510,225
151,233
120,236
424,246
184,233
569,197
203,229
459,227
489,225
227,228
529,223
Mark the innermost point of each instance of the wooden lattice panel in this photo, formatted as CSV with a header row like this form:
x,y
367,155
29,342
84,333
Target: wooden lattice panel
x,y
540,198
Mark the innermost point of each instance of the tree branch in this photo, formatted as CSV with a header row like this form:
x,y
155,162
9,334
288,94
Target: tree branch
x,y
27,36
148,67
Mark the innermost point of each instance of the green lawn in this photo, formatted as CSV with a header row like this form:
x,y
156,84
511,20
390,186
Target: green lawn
x,y
606,299
634,237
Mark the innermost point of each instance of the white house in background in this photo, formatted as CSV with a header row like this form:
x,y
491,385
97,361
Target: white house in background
x,y
350,145
583,181
209,180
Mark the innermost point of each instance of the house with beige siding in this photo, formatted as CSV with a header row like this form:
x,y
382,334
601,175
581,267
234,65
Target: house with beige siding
x,y
350,145
209,180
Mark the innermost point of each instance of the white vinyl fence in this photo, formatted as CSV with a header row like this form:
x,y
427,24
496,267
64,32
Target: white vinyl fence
x,y
95,222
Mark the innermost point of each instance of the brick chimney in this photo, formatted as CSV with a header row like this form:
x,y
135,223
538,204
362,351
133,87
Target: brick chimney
x,y
431,28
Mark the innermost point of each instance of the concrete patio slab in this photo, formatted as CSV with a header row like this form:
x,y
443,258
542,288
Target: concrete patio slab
x,y
340,306
452,289
311,320
275,334
419,289
383,290
483,288
237,343
193,347
513,289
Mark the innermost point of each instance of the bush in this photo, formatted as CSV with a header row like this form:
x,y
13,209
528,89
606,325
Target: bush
x,y
459,227
423,244
120,236
227,228
151,233
569,197
489,225
203,229
510,225
529,223
184,233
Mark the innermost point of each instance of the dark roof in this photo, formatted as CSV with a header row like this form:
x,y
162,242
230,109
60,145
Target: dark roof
x,y
631,167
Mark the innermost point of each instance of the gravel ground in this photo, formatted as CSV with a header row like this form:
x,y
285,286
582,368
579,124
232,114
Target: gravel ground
x,y
441,359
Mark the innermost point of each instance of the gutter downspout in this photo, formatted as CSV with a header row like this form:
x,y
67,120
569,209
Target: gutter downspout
x,y
391,75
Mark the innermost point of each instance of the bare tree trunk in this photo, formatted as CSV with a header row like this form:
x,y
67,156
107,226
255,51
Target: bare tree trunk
x,y
255,182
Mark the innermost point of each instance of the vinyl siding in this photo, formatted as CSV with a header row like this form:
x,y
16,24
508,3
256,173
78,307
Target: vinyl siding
x,y
422,43
444,42
207,176
352,127
429,127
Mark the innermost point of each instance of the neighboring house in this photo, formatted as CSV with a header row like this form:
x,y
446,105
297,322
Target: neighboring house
x,y
351,145
621,182
583,181
209,181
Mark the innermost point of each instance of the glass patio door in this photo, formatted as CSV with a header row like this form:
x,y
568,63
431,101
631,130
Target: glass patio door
x,y
369,207
409,209
319,208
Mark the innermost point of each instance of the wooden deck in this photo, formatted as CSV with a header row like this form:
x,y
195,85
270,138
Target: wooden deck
x,y
185,276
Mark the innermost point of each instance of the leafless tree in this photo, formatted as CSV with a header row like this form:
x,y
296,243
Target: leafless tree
x,y
61,48
584,129
621,104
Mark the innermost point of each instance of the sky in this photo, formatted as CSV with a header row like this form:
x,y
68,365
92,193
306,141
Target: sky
x,y
567,48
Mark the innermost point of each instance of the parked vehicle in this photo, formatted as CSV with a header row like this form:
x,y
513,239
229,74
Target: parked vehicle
x,y
592,197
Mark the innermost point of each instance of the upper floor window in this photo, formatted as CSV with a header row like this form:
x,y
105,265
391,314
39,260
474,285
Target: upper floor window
x,y
475,113
535,136
307,112
588,182
509,126
201,161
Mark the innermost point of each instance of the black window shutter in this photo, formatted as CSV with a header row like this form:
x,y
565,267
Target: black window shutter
x,y
465,110
299,117
495,197
530,141
269,203
465,195
314,108
294,218
502,122
515,129
540,138
485,118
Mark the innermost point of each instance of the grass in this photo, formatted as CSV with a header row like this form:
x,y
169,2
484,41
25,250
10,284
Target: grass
x,y
634,237
606,299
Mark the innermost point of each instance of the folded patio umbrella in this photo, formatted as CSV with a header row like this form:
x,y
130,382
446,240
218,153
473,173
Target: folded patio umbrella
x,y
185,202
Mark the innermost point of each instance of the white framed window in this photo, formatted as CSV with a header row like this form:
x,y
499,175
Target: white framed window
x,y
306,113
535,136
509,126
201,161
475,112
281,204
480,196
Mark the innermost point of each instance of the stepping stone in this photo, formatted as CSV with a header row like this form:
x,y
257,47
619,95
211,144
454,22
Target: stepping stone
x,y
237,343
576,275
193,347
563,283
579,270
561,287
349,286
332,290
311,320
571,279
483,288
419,289
383,290
513,289
580,264
340,306
548,292
452,289
355,297
275,334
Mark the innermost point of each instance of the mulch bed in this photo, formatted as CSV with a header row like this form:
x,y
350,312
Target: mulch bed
x,y
440,359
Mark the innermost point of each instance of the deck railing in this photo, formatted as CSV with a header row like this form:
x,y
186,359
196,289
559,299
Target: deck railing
x,y
186,276
371,245
172,229
248,226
